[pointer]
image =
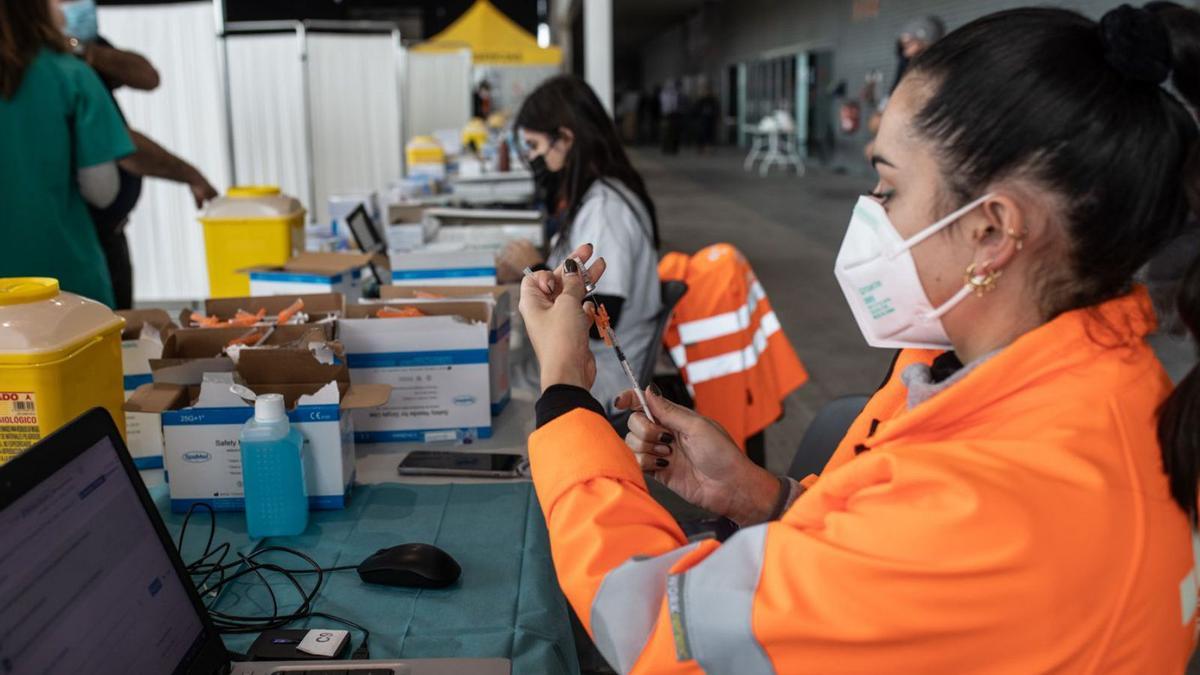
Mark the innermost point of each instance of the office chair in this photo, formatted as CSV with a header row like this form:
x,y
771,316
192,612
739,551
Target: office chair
x,y
824,434
816,447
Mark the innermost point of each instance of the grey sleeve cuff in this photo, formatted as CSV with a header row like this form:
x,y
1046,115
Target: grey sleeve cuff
x,y
789,491
795,489
99,184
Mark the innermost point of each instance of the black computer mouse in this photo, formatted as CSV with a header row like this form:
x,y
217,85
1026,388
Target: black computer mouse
x,y
413,565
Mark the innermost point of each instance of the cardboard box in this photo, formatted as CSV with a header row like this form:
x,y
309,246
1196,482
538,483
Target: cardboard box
x,y
312,273
437,366
407,189
489,237
445,216
318,306
410,236
401,212
408,228
342,205
142,340
486,229
497,187
202,421
189,353
499,327
443,265
450,140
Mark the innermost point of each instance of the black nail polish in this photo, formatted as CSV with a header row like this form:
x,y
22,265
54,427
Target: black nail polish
x,y
570,266
666,438
662,463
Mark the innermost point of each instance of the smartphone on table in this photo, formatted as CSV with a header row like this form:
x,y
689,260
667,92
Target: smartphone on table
x,y
464,464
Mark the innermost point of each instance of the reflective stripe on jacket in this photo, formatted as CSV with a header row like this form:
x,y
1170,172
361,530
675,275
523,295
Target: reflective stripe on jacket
x,y
727,343
1017,522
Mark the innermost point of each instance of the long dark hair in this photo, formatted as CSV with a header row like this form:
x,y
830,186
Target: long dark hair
x,y
1075,105
565,101
1179,417
25,27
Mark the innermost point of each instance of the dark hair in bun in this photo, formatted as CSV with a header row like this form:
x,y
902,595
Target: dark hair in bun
x,y
1054,98
1136,43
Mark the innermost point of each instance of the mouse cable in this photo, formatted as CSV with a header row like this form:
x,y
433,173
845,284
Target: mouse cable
x,y
230,623
201,562
214,562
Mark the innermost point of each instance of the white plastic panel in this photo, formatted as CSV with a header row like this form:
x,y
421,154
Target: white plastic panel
x,y
185,116
439,88
267,103
511,84
355,104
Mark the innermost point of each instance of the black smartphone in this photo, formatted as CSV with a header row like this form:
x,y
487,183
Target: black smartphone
x,y
469,464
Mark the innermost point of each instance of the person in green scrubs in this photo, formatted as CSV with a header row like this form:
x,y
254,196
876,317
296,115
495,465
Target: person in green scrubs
x,y
61,136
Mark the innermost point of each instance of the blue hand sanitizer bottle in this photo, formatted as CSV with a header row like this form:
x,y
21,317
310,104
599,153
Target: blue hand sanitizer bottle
x,y
273,471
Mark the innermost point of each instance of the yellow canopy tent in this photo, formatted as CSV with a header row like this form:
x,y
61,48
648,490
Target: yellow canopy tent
x,y
493,38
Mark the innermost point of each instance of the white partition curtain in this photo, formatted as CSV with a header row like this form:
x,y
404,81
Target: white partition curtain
x,y
444,82
267,112
511,84
354,101
184,115
345,118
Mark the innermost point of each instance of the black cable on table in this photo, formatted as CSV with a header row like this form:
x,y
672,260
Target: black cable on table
x,y
215,563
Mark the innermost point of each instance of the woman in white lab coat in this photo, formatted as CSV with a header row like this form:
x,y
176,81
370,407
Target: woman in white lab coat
x,y
596,197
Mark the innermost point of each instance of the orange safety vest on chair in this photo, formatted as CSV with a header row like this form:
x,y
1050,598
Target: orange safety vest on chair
x,y
727,343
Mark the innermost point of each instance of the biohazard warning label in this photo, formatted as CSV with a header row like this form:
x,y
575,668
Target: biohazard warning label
x,y
18,423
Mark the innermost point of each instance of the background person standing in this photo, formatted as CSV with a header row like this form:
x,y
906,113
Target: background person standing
x,y
61,137
122,68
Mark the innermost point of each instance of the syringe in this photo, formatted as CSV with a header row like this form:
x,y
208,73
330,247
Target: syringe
x,y
604,327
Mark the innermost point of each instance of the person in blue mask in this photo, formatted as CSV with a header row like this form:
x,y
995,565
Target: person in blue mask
x,y
119,68
61,137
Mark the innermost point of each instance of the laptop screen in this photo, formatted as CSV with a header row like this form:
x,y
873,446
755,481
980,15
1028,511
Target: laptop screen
x,y
369,240
85,583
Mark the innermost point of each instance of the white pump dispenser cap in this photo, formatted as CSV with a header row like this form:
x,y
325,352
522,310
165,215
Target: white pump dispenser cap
x,y
269,408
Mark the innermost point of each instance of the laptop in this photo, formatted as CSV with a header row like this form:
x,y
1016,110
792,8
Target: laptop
x,y
90,581
367,236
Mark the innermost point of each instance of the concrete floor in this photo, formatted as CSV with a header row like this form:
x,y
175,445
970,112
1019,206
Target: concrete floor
x,y
789,228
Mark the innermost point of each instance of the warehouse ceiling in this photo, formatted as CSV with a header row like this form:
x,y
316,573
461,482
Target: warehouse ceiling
x,y
636,22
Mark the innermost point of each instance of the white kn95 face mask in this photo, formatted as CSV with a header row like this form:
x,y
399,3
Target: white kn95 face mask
x,y
877,274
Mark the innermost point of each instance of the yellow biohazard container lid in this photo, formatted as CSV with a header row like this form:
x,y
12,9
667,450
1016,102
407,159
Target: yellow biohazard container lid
x,y
424,150
424,143
248,191
475,130
252,201
38,318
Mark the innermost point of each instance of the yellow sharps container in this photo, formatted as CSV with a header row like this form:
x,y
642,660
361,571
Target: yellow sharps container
x,y
60,355
251,226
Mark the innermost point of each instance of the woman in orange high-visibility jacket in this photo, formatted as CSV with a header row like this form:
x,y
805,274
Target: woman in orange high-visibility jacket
x,y
1020,495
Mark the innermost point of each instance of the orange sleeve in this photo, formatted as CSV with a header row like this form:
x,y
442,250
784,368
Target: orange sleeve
x,y
597,508
914,564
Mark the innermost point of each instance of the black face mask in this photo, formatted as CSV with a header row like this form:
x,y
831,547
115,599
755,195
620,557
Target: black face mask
x,y
548,182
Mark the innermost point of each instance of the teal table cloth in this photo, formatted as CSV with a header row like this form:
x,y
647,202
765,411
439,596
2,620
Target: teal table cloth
x,y
507,603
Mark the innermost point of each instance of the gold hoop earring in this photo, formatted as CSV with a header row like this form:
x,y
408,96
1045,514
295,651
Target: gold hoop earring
x,y
981,283
1020,238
